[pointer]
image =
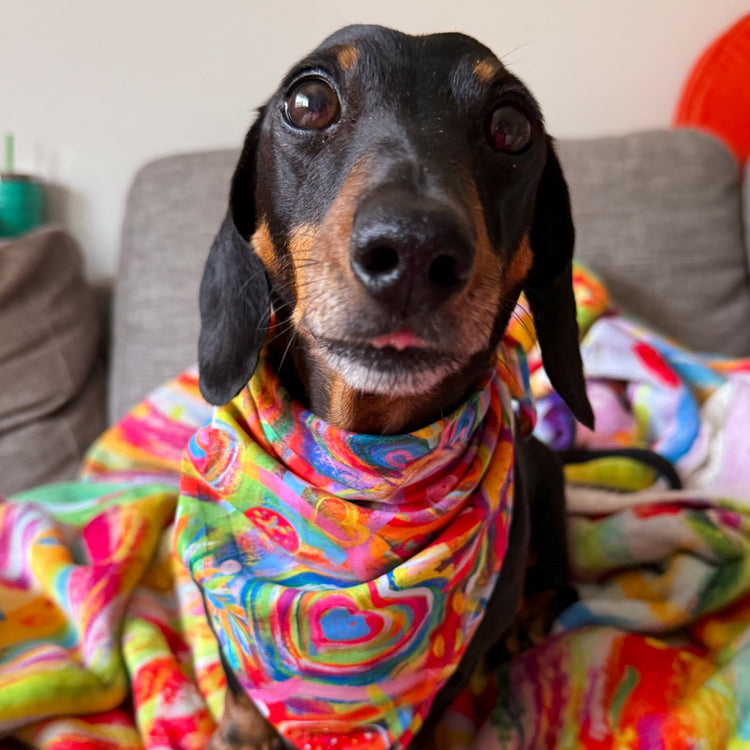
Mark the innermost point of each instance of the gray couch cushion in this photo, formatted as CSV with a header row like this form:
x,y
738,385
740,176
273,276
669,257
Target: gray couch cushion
x,y
658,216
51,378
50,448
174,210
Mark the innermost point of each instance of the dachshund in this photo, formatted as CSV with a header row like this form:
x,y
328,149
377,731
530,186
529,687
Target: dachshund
x,y
392,200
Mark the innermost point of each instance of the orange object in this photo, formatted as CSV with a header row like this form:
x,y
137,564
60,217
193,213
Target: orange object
x,y
716,96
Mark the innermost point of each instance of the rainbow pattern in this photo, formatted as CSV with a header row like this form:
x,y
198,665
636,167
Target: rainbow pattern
x,y
345,574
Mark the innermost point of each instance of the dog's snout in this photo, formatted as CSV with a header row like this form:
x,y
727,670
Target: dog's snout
x,y
410,253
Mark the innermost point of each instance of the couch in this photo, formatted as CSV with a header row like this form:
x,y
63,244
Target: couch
x,y
660,215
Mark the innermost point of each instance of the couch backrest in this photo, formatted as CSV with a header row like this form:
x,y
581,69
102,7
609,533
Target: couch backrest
x,y
174,209
657,214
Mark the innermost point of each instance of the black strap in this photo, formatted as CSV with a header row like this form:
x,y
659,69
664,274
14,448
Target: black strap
x,y
642,455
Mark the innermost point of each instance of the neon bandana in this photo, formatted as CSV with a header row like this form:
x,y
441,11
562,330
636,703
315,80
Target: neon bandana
x,y
345,574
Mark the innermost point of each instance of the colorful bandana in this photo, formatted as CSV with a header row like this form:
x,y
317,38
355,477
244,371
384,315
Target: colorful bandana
x,y
345,574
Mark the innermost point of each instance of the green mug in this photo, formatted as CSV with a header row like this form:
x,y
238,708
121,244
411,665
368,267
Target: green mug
x,y
21,204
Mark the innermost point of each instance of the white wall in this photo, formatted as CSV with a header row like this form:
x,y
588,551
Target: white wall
x,y
95,88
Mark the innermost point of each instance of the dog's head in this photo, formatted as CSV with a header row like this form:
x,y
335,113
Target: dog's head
x,y
393,198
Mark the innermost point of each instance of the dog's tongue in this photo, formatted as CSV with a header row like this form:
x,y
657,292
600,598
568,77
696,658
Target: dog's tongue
x,y
402,339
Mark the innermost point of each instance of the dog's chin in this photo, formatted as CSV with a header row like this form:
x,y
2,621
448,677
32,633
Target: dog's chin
x,y
388,371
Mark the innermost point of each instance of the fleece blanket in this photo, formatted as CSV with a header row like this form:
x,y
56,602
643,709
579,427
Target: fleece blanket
x,y
104,642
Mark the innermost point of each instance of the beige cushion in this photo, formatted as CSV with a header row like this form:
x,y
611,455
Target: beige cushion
x,y
51,390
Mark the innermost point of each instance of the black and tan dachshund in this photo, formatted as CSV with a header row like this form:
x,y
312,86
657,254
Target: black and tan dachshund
x,y
392,200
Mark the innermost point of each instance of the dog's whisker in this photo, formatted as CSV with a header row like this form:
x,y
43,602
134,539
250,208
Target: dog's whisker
x,y
250,279
313,263
505,57
524,323
286,351
506,367
283,326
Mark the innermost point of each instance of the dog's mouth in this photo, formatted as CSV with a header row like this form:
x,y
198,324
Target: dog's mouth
x,y
399,363
391,354
402,339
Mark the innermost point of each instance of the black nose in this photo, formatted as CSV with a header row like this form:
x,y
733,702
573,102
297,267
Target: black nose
x,y
409,252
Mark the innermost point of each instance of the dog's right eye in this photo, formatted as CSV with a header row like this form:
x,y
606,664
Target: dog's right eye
x,y
508,129
312,105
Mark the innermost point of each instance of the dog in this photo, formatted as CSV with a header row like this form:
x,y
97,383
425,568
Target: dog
x,y
392,200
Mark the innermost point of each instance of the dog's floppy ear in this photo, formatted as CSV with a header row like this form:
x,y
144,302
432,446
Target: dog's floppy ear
x,y
235,302
549,289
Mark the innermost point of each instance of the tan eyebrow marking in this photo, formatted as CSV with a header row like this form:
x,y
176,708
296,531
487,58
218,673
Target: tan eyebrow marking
x,y
263,244
347,57
486,69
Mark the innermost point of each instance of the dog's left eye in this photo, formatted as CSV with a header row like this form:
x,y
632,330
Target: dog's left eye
x,y
312,105
508,129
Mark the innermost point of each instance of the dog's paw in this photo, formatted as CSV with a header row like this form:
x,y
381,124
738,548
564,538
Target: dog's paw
x,y
532,623
232,737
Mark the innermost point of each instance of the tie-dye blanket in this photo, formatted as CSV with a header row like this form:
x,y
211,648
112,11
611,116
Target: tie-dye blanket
x,y
104,641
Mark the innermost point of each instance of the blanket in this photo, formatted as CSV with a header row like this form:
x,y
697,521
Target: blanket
x,y
104,641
